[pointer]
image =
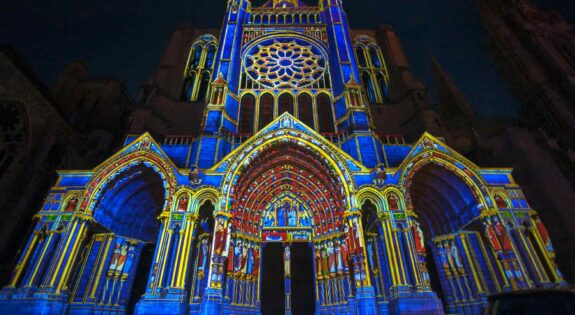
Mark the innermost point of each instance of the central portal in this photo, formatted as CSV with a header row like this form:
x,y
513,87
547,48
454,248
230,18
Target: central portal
x,y
289,286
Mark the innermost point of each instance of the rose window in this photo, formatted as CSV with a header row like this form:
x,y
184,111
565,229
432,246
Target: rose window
x,y
285,65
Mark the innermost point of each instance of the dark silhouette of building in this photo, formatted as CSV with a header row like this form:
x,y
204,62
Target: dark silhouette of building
x,y
535,52
74,126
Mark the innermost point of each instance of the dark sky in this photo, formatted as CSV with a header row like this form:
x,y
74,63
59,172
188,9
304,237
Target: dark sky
x,y
124,39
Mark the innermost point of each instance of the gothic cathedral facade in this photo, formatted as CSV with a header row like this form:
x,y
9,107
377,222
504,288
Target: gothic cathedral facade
x,y
287,201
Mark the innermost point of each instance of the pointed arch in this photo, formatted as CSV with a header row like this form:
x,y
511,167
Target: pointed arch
x,y
325,112
210,56
374,56
126,159
383,88
372,194
204,194
183,198
247,112
286,103
266,109
360,53
501,201
71,201
305,109
368,84
204,85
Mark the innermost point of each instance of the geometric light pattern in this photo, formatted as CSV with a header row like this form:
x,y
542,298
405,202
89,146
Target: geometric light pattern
x,y
285,65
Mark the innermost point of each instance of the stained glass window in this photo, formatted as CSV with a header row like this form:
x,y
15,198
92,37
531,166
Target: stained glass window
x,y
325,112
304,103
266,109
285,104
285,64
247,113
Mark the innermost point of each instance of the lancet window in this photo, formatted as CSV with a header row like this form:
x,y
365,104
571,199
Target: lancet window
x,y
374,73
199,68
305,109
266,110
325,111
247,113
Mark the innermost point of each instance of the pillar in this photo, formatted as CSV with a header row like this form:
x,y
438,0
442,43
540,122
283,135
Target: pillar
x,y
365,295
213,296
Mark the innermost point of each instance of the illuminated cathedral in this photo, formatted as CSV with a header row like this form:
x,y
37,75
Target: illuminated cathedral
x,y
287,201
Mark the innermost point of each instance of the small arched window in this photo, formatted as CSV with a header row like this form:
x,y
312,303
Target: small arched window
x,y
205,82
382,86
305,106
247,113
189,87
285,104
368,87
369,216
374,57
182,205
360,57
325,112
266,110
210,57
500,202
196,56
392,202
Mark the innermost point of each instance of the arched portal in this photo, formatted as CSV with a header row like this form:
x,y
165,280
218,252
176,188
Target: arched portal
x,y
447,236
120,241
288,206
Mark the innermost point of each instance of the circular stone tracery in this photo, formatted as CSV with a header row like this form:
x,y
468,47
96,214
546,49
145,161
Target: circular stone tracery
x,y
285,64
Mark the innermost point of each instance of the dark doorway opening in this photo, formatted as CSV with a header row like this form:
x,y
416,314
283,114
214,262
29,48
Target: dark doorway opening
x,y
302,279
272,288
141,279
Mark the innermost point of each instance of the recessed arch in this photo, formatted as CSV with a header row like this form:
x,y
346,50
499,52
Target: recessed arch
x,y
284,168
130,203
313,144
247,113
374,195
325,113
204,194
110,169
286,103
305,109
266,110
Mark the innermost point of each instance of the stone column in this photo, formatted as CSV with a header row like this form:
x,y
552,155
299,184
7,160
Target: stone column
x,y
69,248
213,297
22,264
161,253
181,261
365,296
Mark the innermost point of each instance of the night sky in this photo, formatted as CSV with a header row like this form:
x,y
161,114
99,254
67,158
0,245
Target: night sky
x,y
125,39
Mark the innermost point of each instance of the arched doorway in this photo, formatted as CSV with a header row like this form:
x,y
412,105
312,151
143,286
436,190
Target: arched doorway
x,y
290,198
448,237
116,256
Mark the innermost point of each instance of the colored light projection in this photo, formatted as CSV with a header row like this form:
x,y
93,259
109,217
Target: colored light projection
x,y
308,184
155,230
285,63
286,218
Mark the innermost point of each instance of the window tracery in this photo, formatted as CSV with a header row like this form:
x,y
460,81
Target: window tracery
x,y
199,68
282,64
374,76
